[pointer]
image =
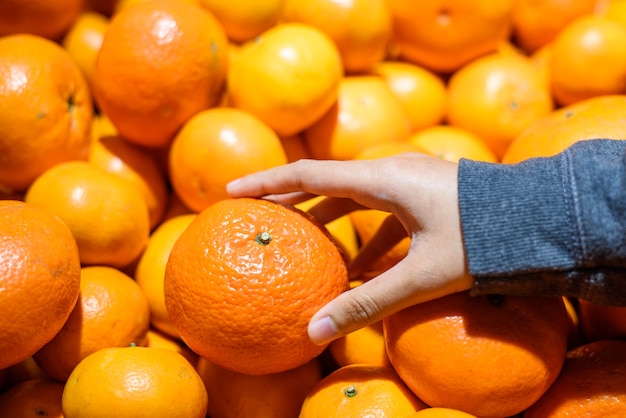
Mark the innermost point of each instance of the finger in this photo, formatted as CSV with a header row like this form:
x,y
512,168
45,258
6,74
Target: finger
x,y
331,208
345,179
388,235
397,288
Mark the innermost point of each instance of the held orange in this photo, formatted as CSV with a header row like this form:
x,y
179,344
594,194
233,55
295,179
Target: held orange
x,y
288,78
244,279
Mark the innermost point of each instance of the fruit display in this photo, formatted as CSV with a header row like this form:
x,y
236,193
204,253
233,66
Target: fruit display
x,y
132,284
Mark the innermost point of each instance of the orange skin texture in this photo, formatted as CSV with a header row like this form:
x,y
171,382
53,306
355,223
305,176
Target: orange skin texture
x,y
244,20
244,303
496,97
217,146
138,165
598,117
591,383
112,311
150,273
366,113
234,395
39,279
361,29
537,23
491,357
444,35
588,60
49,19
111,231
160,63
379,392
288,78
45,112
33,398
129,382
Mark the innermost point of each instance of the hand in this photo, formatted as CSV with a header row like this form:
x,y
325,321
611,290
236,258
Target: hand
x,y
420,191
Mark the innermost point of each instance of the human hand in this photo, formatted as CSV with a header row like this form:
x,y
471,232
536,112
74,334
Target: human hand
x,y
421,192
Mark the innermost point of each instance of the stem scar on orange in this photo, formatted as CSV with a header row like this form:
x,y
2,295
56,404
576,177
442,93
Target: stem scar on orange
x,y
244,279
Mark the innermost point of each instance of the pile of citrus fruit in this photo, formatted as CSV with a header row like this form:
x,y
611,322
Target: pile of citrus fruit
x,y
132,285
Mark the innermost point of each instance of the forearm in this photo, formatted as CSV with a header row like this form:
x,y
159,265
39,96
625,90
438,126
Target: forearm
x,y
548,226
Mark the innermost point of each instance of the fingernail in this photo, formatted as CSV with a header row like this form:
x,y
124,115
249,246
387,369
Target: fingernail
x,y
323,331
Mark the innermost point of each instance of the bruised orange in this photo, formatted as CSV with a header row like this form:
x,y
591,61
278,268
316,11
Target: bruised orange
x,y
244,279
160,63
39,279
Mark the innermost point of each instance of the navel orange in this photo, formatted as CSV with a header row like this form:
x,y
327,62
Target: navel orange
x,y
288,77
445,35
244,279
160,63
127,382
235,395
45,112
591,384
112,311
217,146
39,279
451,351
106,214
31,399
361,390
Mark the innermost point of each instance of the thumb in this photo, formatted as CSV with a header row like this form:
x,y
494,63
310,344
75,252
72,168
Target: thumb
x,y
405,284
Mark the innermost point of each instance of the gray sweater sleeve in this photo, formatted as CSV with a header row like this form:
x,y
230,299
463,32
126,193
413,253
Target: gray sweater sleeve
x,y
548,226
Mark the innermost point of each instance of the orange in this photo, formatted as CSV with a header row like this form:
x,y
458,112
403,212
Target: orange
x,y
244,20
588,60
422,92
598,117
107,216
83,41
45,111
614,10
102,127
38,17
122,4
496,97
361,390
39,279
31,399
158,339
601,322
439,412
139,166
451,351
537,23
235,395
363,346
366,113
105,7
127,382
244,279
216,146
175,207
445,35
341,228
575,336
150,272
591,384
452,143
112,311
295,147
288,77
160,63
361,29
27,369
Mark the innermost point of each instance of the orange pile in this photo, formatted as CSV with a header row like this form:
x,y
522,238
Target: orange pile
x,y
122,122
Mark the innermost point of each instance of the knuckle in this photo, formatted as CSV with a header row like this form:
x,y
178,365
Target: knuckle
x,y
362,310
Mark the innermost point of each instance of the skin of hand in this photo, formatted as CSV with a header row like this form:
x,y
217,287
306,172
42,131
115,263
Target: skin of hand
x,y
420,191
